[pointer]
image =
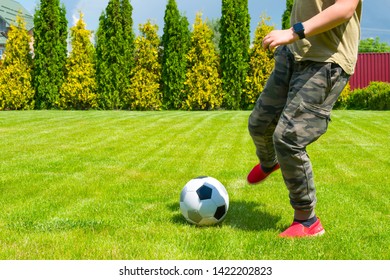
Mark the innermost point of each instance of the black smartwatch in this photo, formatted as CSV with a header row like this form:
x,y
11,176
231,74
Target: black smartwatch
x,y
299,29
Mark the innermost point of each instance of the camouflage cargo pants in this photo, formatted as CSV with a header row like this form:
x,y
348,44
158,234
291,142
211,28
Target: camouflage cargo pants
x,y
293,111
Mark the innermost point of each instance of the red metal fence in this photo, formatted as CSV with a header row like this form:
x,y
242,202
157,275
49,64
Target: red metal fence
x,y
371,67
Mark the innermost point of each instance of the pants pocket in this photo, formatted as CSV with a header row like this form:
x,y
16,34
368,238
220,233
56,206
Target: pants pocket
x,y
307,124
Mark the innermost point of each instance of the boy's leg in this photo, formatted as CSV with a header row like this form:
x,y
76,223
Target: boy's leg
x,y
267,110
314,90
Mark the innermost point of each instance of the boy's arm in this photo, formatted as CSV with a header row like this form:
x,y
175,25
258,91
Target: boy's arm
x,y
336,14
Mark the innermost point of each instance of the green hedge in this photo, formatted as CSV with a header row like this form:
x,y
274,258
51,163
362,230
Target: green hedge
x,y
376,96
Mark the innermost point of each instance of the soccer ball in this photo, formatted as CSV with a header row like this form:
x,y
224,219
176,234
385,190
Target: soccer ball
x,y
204,201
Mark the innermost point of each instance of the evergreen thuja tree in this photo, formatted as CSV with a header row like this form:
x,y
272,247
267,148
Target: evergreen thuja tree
x,y
214,25
287,14
234,46
114,51
128,43
203,84
16,90
175,43
79,89
261,63
144,92
109,56
50,52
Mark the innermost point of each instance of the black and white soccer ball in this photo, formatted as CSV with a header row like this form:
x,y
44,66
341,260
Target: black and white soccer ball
x,y
204,201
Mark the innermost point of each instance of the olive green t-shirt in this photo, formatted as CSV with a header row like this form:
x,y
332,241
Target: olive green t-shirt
x,y
338,45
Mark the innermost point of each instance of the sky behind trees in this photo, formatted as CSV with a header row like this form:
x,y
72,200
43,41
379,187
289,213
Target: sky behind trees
x,y
375,21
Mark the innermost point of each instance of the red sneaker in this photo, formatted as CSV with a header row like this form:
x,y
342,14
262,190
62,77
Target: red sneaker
x,y
258,175
299,230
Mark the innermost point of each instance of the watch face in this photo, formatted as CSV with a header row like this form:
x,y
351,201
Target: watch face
x,y
298,27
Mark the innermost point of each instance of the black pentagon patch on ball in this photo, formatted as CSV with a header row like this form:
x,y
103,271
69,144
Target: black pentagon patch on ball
x,y
221,210
194,216
204,192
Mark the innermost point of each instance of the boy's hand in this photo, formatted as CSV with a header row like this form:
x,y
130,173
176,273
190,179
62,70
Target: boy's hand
x,y
277,38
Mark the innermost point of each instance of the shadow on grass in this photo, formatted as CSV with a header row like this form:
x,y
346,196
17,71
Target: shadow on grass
x,y
250,216
243,215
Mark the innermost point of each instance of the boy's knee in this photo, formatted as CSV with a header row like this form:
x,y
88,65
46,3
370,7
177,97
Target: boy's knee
x,y
281,142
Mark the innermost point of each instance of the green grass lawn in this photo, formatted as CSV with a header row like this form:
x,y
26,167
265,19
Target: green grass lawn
x,y
106,185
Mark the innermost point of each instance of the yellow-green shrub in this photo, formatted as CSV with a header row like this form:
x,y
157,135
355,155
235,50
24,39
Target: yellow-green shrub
x,y
342,101
16,90
203,83
261,64
144,92
79,89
